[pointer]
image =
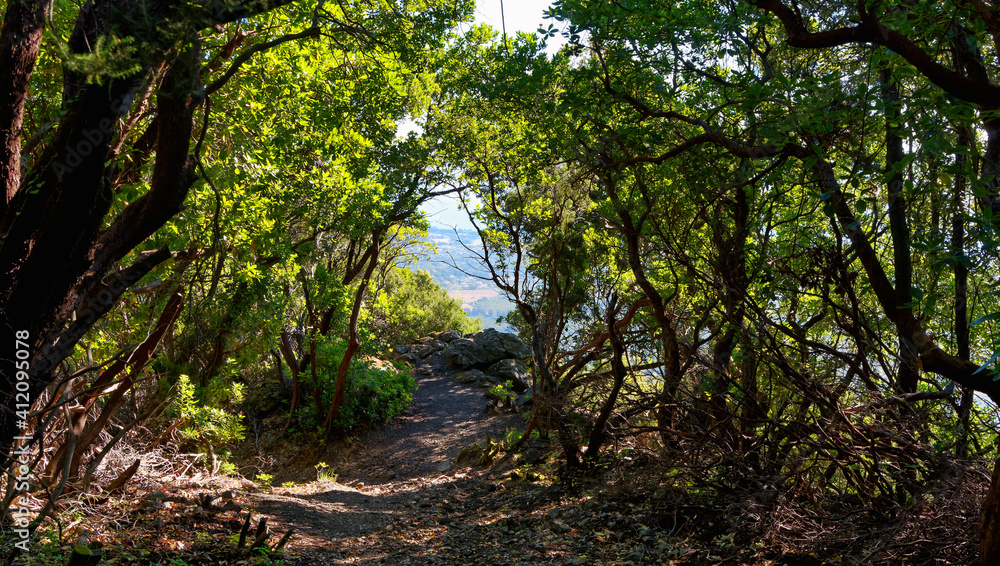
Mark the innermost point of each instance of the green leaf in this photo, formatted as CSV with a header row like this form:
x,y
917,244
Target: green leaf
x,y
986,318
988,362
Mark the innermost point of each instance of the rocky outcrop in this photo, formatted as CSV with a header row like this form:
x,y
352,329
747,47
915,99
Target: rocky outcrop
x,y
424,347
484,359
466,354
484,349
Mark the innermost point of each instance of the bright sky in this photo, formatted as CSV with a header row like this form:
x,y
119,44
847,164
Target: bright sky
x,y
518,15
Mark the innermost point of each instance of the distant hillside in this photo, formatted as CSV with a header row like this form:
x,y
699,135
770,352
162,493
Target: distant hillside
x,y
480,297
452,259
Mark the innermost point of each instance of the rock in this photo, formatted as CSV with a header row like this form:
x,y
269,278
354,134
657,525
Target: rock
x,y
484,349
524,400
228,494
578,561
426,347
401,349
472,377
637,553
561,527
156,495
466,354
554,513
446,520
266,398
420,351
437,344
449,337
491,410
532,457
232,506
501,345
443,466
510,370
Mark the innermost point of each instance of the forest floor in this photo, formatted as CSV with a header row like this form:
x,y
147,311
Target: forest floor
x,y
402,495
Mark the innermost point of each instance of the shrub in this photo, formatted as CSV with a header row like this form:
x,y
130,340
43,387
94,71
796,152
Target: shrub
x,y
412,305
206,426
374,396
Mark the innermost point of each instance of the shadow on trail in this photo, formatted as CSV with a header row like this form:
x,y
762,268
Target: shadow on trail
x,y
355,513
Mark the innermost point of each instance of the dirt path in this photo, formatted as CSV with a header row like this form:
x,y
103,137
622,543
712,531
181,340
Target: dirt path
x,y
393,480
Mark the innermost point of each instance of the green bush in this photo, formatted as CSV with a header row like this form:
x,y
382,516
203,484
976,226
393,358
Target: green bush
x,y
412,305
205,425
374,396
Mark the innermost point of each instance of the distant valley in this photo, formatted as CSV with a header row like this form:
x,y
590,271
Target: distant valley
x,y
451,267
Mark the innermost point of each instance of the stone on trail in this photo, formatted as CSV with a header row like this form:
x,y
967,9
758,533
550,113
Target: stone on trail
x,y
473,377
501,345
510,370
484,349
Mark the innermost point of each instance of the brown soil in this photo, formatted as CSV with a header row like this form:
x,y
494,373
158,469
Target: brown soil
x,y
394,480
402,499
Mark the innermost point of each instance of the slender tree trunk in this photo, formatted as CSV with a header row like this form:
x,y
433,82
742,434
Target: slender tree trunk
x,y
668,334
961,276
293,365
731,270
989,523
598,434
909,368
353,342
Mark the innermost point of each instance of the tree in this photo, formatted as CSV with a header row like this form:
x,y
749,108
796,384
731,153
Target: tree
x,y
117,164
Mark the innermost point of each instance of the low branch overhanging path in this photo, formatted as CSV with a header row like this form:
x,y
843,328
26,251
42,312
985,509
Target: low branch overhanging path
x,y
395,478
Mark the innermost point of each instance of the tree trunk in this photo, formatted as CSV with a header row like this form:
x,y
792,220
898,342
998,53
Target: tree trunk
x,y
961,276
668,334
353,342
293,366
20,42
59,240
989,524
909,367
598,433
